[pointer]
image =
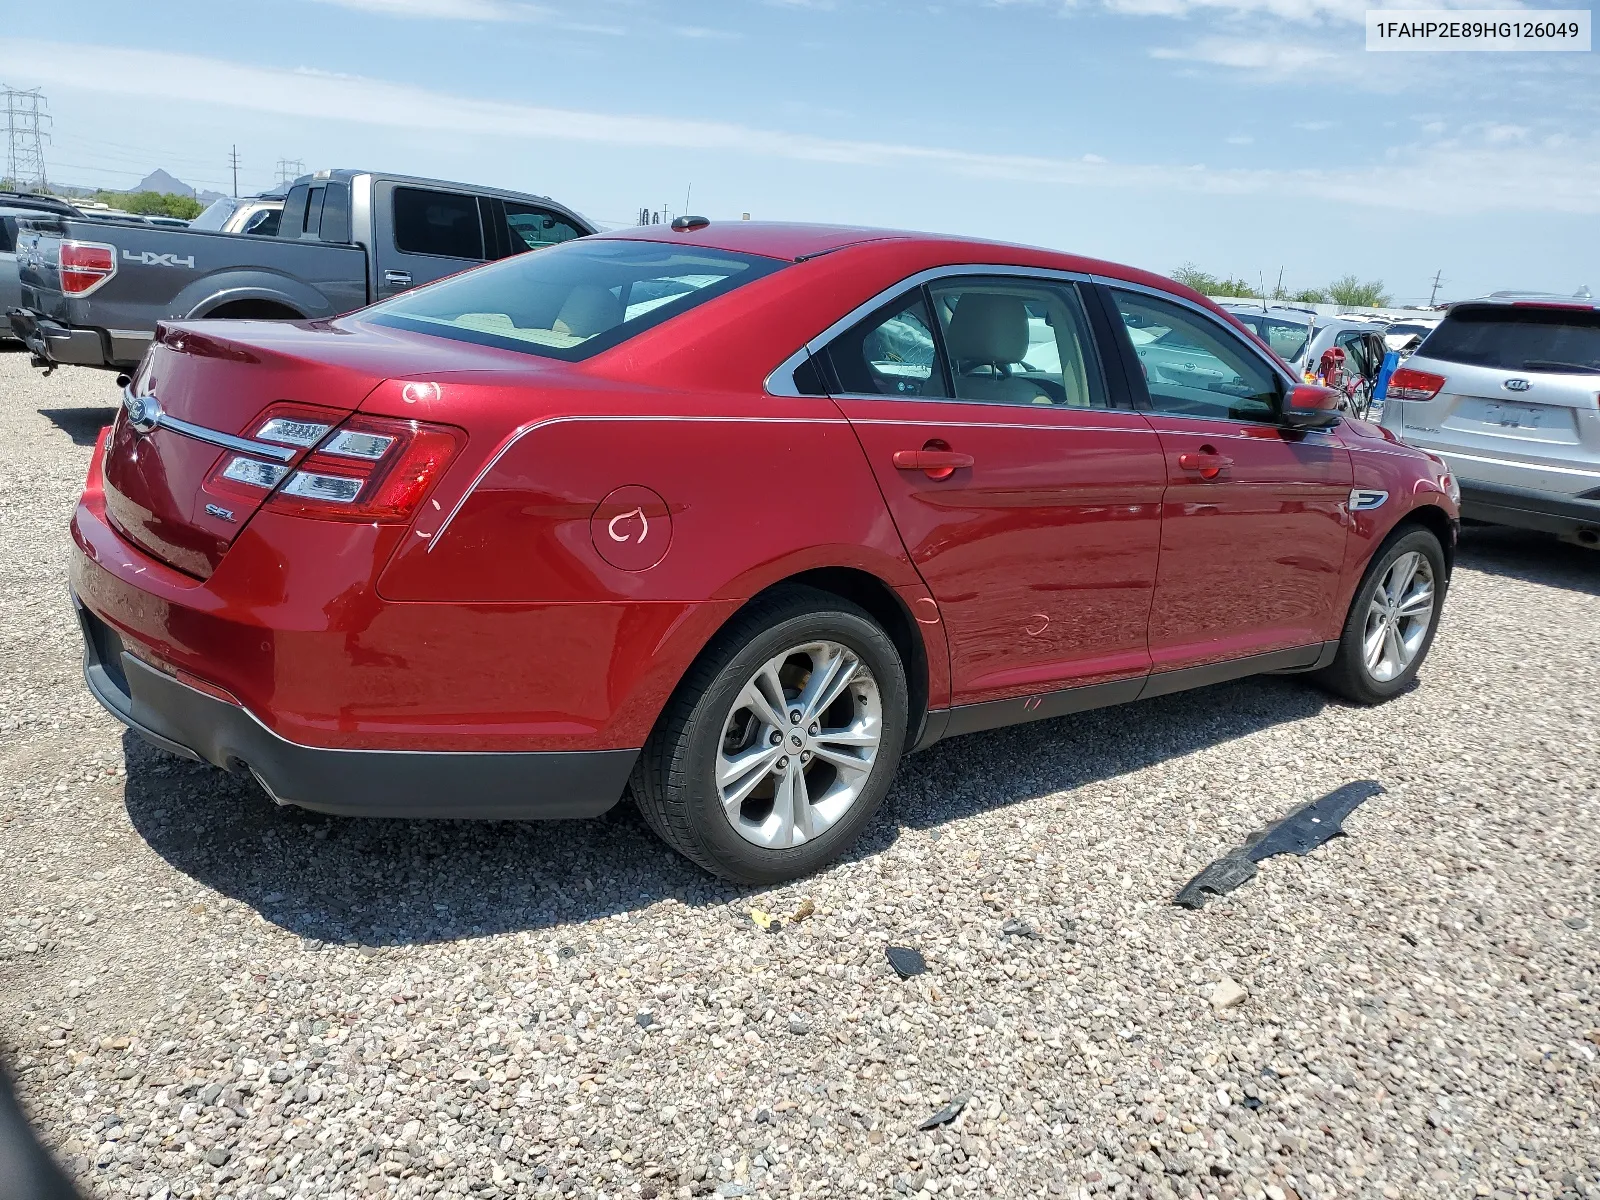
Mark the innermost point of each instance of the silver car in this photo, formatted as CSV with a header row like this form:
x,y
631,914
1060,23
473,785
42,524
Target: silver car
x,y
15,206
1507,390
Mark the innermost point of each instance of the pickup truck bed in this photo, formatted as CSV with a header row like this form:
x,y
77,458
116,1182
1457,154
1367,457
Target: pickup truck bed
x,y
162,274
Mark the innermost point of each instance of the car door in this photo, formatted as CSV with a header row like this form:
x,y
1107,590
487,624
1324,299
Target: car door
x,y
1025,493
1254,517
424,234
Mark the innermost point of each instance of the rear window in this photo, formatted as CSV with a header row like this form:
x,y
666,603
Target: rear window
x,y
1518,339
572,300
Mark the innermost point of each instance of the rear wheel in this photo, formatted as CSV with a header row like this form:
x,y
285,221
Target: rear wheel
x,y
781,743
1392,620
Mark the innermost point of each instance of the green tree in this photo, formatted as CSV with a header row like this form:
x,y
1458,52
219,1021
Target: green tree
x,y
153,204
1310,296
1208,284
1350,292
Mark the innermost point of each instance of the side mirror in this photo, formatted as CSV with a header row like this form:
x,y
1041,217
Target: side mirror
x,y
1307,406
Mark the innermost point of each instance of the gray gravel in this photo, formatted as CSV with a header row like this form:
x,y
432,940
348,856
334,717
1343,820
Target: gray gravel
x,y
202,995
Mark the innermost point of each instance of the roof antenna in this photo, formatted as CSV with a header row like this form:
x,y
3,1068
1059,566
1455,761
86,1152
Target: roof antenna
x,y
1261,283
686,192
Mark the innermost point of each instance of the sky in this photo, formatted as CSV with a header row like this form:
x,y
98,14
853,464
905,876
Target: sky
x,y
1247,137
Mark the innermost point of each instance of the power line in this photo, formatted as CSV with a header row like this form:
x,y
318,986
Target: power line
x,y
1438,277
25,138
290,169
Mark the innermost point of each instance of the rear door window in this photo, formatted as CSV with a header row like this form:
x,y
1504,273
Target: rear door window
x,y
1564,341
438,223
335,224
533,228
1014,341
892,352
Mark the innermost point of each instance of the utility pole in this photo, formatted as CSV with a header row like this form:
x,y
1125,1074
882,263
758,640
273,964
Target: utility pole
x,y
1438,278
233,158
290,169
25,138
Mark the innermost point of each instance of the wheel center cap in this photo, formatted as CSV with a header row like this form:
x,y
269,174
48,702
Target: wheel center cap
x,y
797,741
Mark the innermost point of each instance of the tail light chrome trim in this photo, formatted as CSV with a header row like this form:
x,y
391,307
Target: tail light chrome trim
x,y
146,416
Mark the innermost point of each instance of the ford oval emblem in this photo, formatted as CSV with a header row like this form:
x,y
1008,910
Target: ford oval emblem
x,y
1517,385
144,413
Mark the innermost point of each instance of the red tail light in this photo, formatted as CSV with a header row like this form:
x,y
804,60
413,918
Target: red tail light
x,y
368,469
85,266
1407,384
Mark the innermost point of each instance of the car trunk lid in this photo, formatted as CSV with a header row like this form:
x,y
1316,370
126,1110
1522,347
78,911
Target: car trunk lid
x,y
216,385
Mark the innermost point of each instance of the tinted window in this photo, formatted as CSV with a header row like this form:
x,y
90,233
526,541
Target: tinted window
x,y
891,353
335,226
442,223
535,228
265,223
574,300
294,212
1194,366
1518,339
312,222
1014,342
8,234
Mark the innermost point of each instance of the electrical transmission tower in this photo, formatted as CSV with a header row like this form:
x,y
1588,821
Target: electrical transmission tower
x,y
290,169
25,138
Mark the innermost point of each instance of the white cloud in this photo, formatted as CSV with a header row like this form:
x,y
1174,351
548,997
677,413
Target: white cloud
x,y
1471,174
1263,57
1304,11
449,10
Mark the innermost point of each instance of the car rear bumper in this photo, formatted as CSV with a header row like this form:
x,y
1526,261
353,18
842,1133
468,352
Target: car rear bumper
x,y
494,785
1528,508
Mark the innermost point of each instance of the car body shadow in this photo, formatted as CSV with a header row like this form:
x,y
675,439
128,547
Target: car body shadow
x,y
1530,557
82,425
379,883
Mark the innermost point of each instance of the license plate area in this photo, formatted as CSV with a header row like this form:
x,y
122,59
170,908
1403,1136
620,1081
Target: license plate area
x,y
1555,424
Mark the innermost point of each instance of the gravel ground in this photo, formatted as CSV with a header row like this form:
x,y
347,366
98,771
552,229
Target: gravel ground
x,y
204,995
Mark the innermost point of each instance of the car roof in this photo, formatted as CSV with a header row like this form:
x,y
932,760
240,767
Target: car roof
x,y
798,241
1510,299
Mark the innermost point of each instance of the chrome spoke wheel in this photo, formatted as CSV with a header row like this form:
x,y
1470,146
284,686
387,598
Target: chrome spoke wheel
x,y
1399,617
798,745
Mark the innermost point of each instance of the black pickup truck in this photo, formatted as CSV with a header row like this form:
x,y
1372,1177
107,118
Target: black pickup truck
x,y
93,291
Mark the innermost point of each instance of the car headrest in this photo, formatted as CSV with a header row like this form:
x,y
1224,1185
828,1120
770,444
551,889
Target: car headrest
x,y
988,328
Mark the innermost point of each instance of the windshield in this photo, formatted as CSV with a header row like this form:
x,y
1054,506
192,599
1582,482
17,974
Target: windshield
x,y
1518,339
216,214
574,299
1287,338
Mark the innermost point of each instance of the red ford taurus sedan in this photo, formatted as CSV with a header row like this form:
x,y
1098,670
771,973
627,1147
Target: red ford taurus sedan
x,y
733,516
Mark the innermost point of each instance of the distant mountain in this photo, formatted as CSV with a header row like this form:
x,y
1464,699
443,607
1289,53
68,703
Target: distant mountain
x,y
159,181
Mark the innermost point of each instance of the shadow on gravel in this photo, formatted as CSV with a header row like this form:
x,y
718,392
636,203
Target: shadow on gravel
x,y
382,883
1530,557
82,425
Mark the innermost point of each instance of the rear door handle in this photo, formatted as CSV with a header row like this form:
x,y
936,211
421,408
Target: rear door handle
x,y
936,464
1207,464
397,278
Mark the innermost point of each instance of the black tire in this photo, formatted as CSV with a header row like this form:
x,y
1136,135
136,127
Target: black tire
x,y
1347,676
673,781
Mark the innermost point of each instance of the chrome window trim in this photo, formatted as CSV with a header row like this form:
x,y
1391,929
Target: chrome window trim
x,y
212,437
781,380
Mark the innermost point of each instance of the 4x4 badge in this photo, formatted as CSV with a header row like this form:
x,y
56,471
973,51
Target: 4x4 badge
x,y
1516,385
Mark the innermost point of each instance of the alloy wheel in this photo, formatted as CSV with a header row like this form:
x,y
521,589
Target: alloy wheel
x,y
799,744
1399,617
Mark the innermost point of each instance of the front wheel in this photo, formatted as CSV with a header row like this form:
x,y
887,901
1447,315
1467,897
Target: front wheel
x,y
1392,620
781,743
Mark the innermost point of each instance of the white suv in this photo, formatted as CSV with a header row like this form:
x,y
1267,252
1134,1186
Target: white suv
x,y
1507,389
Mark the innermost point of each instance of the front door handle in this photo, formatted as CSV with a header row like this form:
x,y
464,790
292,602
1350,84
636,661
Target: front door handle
x,y
934,461
1208,464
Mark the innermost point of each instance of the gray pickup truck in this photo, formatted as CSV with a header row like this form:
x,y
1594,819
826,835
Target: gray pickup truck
x,y
92,291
